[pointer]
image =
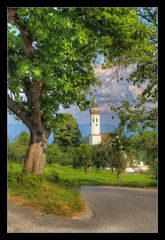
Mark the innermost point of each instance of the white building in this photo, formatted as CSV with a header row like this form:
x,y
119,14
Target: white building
x,y
95,136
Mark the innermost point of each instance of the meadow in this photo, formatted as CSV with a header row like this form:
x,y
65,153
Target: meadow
x,y
92,177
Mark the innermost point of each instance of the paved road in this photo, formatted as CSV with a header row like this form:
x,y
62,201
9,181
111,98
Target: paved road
x,y
117,210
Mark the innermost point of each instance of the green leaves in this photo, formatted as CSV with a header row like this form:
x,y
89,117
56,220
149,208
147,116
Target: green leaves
x,y
37,73
144,113
66,131
66,42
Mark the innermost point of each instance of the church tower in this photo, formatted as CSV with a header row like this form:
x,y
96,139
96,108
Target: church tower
x,y
95,136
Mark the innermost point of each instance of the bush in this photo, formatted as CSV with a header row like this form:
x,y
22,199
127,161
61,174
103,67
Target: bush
x,y
28,180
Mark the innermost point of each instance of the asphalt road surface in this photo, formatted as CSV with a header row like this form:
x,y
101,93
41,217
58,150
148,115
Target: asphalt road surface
x,y
112,210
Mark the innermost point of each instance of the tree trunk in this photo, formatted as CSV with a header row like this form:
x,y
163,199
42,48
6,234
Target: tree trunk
x,y
36,159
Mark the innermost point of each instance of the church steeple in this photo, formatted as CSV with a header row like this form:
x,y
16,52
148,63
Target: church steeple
x,y
95,136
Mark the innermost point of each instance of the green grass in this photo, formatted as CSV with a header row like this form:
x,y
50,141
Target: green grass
x,y
53,198
103,177
41,194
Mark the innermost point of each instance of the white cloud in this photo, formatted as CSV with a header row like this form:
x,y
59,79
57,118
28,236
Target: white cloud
x,y
110,93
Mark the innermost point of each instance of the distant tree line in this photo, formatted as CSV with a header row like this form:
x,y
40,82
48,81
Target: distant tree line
x,y
114,153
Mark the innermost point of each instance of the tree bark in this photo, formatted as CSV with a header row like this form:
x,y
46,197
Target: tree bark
x,y
32,118
36,159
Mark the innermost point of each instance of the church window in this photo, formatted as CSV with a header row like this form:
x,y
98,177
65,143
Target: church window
x,y
96,119
93,119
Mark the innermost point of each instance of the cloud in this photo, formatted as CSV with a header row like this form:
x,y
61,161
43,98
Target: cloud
x,y
112,92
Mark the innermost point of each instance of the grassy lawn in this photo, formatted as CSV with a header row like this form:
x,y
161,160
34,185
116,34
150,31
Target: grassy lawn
x,y
103,177
41,194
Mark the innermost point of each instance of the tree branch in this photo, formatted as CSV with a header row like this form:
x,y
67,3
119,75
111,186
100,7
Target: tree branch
x,y
13,19
19,112
35,94
11,15
153,18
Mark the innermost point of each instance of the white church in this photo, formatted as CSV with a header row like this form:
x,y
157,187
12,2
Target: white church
x,y
95,136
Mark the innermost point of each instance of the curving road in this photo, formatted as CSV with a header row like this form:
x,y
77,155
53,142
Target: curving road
x,y
114,210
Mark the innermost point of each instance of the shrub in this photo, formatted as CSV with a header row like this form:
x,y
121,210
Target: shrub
x,y
28,180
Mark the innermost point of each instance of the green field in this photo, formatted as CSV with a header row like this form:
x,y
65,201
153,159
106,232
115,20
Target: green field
x,y
102,177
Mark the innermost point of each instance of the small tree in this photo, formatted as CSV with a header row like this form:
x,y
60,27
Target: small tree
x,y
118,154
84,155
76,163
99,156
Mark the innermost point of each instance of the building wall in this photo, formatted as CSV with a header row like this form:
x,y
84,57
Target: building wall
x,y
95,136
94,139
95,123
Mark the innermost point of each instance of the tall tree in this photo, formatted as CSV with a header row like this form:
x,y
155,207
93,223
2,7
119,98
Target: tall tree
x,y
66,131
51,53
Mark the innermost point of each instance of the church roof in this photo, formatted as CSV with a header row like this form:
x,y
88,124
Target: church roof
x,y
94,109
108,135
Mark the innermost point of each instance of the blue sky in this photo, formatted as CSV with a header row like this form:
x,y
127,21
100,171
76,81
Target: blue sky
x,y
110,93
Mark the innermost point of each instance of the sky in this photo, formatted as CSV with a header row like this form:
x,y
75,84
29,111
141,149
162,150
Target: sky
x,y
110,93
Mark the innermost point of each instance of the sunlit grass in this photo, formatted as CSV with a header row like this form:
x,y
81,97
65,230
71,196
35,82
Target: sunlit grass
x,y
103,177
42,195
92,177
